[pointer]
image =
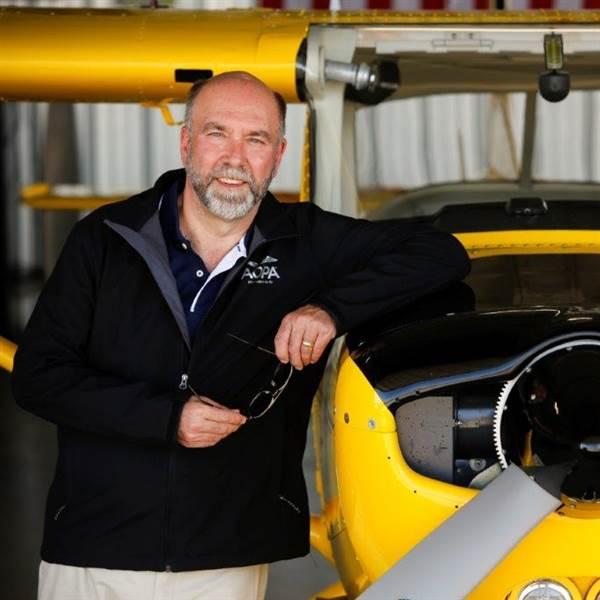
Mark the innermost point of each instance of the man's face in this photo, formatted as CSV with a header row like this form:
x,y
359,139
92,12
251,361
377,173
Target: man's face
x,y
234,147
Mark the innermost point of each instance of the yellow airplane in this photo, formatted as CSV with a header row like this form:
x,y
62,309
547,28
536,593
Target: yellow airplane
x,y
457,440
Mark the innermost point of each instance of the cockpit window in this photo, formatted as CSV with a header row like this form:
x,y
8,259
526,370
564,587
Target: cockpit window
x,y
529,280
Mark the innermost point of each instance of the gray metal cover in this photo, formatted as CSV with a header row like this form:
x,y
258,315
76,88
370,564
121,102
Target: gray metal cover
x,y
425,431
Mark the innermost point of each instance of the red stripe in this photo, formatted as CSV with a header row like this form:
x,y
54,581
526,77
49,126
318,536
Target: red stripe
x,y
321,4
540,4
591,4
272,3
434,4
379,4
482,5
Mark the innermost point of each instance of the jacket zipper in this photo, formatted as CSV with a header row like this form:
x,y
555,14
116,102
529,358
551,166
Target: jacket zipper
x,y
183,385
168,567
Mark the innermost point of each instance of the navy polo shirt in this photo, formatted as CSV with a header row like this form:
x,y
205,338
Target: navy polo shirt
x,y
198,288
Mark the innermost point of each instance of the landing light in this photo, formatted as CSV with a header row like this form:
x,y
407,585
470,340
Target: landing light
x,y
554,83
545,589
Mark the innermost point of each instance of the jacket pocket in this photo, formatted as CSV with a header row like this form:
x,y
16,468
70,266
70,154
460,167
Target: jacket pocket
x,y
59,512
290,504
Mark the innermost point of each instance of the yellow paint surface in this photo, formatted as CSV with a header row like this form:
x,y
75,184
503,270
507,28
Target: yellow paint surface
x,y
494,243
7,354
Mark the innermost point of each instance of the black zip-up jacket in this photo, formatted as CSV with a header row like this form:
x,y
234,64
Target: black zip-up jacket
x,y
106,356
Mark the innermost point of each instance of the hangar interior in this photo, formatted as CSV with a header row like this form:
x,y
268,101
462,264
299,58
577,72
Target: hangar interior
x,y
442,138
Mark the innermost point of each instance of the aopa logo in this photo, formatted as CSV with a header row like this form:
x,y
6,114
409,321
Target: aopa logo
x,y
265,272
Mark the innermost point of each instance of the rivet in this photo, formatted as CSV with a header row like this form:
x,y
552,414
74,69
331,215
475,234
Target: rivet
x,y
346,418
371,424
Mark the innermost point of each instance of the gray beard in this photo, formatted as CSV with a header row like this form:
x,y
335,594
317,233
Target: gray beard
x,y
229,205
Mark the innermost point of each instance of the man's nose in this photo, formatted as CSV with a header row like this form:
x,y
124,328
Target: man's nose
x,y
236,154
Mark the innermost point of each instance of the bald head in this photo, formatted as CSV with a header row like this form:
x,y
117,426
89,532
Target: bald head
x,y
232,143
224,80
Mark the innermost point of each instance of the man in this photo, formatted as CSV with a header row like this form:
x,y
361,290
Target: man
x,y
153,346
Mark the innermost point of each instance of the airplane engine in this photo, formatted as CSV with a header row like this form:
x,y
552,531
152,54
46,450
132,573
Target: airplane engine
x,y
548,415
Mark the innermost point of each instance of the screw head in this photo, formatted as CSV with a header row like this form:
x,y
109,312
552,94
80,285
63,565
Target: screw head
x,y
346,418
371,424
477,464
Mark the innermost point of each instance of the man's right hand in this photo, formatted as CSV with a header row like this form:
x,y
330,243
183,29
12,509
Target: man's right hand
x,y
204,422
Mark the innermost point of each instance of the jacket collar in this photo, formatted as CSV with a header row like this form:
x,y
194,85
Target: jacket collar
x,y
272,219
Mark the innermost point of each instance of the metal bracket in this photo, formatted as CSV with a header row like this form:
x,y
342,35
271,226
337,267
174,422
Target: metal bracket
x,y
165,111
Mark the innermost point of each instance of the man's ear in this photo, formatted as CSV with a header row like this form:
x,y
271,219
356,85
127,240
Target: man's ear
x,y
184,144
279,154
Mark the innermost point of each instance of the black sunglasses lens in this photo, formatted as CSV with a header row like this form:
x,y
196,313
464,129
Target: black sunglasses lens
x,y
260,404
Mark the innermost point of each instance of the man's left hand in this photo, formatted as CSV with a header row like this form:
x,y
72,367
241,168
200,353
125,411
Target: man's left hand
x,y
303,336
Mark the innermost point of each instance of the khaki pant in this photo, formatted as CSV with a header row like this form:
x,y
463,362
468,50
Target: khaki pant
x,y
62,582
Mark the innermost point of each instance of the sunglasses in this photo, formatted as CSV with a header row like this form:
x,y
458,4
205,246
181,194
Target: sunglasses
x,y
264,400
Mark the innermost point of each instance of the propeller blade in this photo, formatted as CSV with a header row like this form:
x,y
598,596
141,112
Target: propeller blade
x,y
452,560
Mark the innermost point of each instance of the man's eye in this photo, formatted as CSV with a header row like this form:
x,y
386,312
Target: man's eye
x,y
215,133
255,140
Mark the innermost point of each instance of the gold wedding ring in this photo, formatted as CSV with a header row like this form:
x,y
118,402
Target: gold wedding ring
x,y
307,344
